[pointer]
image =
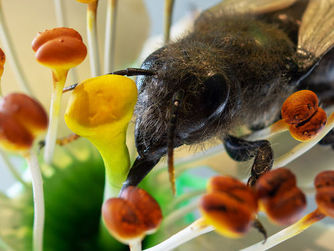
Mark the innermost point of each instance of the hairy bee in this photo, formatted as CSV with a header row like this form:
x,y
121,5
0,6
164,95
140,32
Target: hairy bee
x,y
240,62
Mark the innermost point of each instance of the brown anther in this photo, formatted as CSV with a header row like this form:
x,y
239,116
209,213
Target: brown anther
x,y
226,214
47,35
275,182
27,111
2,61
235,188
146,205
13,136
279,196
306,131
59,48
299,107
325,200
285,208
122,220
324,179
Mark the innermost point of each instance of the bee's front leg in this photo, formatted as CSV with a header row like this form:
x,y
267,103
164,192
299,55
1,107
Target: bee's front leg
x,y
243,150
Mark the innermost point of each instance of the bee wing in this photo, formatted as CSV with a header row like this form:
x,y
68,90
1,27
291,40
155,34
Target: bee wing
x,y
316,34
235,7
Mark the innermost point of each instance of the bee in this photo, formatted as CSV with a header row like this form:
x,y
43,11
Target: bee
x,y
242,59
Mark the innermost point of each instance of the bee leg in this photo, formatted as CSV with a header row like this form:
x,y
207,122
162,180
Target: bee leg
x,y
243,150
257,224
328,139
61,142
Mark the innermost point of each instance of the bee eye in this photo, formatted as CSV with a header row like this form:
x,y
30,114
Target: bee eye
x,y
215,95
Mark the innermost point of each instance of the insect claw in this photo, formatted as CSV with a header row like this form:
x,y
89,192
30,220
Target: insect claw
x,y
258,225
70,88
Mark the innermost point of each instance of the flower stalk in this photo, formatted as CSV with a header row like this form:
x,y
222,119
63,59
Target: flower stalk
x,y
288,232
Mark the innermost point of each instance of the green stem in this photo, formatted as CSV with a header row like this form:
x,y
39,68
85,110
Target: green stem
x,y
116,159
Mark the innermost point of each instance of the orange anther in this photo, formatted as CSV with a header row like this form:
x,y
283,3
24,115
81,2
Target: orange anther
x,y
226,214
27,111
13,135
234,187
2,61
285,208
146,205
306,131
299,106
279,197
325,200
59,48
324,179
122,220
274,182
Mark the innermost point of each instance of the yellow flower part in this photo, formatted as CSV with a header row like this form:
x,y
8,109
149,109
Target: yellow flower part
x,y
86,1
100,109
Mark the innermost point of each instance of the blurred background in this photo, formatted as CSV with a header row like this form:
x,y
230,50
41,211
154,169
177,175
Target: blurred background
x,y
139,31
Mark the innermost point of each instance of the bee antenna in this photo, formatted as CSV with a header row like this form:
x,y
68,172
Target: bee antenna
x,y
177,99
126,72
134,72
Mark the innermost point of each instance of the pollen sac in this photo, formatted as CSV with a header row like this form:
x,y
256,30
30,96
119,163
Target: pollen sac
x,y
27,112
86,1
303,115
325,200
226,214
324,184
146,205
122,220
131,216
299,106
324,179
286,208
306,131
99,103
275,182
60,48
2,61
13,135
279,196
235,187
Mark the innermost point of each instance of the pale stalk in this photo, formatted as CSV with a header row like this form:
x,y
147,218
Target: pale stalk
x,y
194,230
39,210
184,197
59,12
59,78
179,213
10,52
168,13
278,127
135,245
288,232
110,36
305,146
62,22
12,169
93,50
